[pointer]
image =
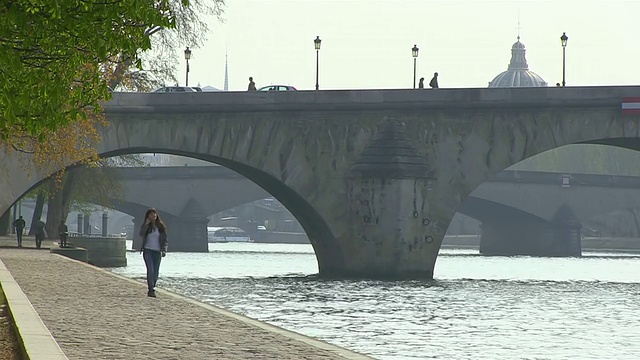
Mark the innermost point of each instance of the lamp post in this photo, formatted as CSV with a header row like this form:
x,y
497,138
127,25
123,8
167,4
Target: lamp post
x,y
316,43
414,53
563,41
187,56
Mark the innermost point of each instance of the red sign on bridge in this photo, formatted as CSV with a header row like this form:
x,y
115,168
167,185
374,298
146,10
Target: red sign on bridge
x,y
631,105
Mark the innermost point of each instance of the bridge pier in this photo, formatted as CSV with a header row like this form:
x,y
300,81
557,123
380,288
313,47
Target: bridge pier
x,y
188,232
567,232
137,240
561,237
388,190
515,238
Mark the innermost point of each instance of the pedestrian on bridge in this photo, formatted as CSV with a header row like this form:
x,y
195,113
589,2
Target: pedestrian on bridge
x,y
434,81
154,247
252,85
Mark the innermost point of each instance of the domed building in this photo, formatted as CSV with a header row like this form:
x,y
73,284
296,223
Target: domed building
x,y
518,73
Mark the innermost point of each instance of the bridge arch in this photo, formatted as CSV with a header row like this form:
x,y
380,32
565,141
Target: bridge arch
x,y
328,251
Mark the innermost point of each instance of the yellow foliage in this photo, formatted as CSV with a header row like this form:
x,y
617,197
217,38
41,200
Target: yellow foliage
x,y
72,144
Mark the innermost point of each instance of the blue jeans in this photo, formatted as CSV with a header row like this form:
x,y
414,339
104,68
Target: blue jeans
x,y
152,261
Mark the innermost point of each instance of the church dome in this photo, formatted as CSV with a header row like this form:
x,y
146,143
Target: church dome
x,y
518,73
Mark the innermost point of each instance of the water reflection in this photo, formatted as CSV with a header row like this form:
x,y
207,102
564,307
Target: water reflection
x,y
478,308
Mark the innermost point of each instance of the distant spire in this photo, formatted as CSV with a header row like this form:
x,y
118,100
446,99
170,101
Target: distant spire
x,y
226,71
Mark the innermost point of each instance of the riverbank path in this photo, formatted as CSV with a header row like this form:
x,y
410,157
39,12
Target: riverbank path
x,y
95,314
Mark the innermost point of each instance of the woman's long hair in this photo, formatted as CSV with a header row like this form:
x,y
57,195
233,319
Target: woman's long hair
x,y
158,223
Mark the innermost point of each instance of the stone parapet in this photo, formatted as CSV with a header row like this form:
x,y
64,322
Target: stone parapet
x,y
102,251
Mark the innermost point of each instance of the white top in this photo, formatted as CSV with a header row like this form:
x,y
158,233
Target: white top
x,y
153,240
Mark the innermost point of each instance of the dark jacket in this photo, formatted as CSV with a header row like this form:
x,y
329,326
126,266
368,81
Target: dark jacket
x,y
19,223
40,228
434,82
145,230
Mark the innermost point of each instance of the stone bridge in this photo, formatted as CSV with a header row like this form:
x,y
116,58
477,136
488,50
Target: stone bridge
x,y
373,176
540,213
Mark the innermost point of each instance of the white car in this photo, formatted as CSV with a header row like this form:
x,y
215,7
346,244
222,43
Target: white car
x,y
277,88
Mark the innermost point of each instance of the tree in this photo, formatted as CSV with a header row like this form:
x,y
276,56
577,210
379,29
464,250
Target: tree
x,y
51,71
57,81
159,65
40,194
52,52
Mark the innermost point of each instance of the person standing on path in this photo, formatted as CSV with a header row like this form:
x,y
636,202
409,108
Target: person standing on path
x,y
154,247
19,225
252,85
421,83
63,232
41,233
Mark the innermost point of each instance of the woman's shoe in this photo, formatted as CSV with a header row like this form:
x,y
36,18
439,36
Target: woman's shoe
x,y
151,293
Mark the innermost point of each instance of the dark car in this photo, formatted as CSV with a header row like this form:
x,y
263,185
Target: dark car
x,y
277,88
176,89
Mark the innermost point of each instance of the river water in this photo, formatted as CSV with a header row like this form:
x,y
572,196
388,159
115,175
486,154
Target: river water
x,y
477,308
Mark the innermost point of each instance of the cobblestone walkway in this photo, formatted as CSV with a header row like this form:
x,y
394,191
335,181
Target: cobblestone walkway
x,y
94,314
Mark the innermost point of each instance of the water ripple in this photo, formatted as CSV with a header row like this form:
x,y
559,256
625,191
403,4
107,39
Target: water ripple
x,y
479,308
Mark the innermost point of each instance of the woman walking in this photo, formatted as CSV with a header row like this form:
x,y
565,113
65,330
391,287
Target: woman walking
x,y
154,247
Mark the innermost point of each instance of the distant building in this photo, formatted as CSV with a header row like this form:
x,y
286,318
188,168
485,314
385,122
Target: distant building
x,y
518,73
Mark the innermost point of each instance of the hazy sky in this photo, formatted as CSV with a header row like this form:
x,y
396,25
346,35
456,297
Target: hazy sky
x,y
366,44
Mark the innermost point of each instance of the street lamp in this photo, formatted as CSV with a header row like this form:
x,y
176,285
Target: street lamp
x,y
563,41
316,43
414,53
187,56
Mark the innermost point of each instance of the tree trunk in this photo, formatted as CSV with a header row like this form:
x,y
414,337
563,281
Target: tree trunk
x,y
54,210
37,213
68,192
60,199
5,221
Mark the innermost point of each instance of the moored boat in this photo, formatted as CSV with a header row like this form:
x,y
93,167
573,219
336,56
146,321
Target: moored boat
x,y
226,234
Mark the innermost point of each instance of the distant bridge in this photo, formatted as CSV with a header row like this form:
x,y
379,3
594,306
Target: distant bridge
x,y
540,213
